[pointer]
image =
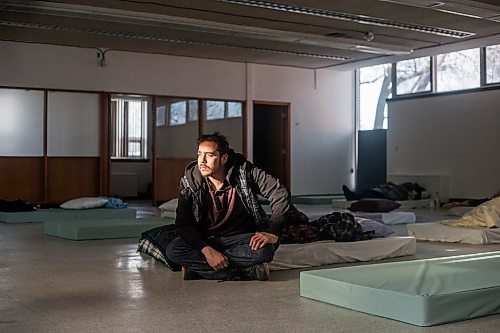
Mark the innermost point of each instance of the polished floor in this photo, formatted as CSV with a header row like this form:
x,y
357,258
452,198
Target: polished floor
x,y
48,284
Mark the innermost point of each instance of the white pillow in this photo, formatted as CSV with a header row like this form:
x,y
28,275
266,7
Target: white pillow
x,y
170,205
84,203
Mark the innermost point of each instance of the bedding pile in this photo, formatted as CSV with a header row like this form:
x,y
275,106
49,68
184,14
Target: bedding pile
x,y
486,215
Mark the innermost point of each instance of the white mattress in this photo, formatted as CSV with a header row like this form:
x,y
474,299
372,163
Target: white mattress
x,y
290,256
390,217
437,232
406,204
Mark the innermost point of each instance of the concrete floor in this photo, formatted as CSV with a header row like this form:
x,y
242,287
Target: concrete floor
x,y
48,284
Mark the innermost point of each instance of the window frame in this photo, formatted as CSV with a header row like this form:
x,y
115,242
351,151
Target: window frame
x,y
124,155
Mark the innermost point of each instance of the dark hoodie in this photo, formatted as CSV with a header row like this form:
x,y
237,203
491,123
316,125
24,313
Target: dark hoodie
x,y
248,180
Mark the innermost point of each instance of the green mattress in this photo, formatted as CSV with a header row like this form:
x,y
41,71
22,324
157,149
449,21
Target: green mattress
x,y
421,292
102,229
59,214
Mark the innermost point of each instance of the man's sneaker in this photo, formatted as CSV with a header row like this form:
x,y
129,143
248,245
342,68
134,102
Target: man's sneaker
x,y
260,272
188,274
256,272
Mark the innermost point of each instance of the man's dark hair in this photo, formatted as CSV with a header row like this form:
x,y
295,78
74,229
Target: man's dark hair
x,y
217,138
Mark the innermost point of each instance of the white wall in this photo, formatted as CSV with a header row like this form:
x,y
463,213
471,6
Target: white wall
x,y
321,116
456,135
322,123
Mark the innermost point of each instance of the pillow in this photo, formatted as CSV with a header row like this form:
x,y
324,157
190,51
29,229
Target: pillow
x,y
169,205
380,229
84,203
373,205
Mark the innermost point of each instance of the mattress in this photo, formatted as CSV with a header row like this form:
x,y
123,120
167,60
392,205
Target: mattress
x,y
102,229
406,204
58,214
437,232
421,292
390,217
314,254
314,199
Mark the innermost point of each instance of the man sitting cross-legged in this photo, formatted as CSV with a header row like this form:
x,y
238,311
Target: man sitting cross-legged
x,y
224,233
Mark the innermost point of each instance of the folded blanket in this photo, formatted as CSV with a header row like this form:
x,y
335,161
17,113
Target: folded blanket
x,y
486,215
116,203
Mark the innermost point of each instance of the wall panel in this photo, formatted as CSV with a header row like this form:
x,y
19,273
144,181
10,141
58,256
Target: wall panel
x,y
168,174
72,177
21,178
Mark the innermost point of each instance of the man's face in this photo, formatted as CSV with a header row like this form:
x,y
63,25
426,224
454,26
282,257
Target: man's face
x,y
210,162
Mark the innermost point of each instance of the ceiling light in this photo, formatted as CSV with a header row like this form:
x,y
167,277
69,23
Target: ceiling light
x,y
362,19
190,24
160,38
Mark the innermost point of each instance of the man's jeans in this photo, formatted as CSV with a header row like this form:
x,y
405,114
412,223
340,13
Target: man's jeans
x,y
235,248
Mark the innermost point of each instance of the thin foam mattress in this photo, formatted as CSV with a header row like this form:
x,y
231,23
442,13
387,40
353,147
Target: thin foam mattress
x,y
289,256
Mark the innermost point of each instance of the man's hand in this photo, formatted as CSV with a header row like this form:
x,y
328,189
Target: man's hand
x,y
215,259
260,239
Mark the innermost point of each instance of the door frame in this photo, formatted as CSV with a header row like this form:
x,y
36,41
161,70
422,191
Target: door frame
x,y
287,105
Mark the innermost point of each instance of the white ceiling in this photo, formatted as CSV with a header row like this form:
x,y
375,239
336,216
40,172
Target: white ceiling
x,y
307,34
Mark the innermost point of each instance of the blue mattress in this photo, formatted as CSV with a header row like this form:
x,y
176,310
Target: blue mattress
x,y
59,214
421,292
103,229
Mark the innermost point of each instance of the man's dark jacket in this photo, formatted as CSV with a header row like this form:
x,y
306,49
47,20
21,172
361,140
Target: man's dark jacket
x,y
249,182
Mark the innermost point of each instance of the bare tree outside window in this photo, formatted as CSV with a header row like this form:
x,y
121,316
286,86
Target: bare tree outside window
x,y
458,70
493,64
177,113
374,89
413,75
215,110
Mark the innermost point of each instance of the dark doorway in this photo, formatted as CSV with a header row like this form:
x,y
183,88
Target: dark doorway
x,y
271,139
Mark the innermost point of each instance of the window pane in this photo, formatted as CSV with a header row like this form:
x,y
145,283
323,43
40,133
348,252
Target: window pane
x,y
129,127
177,113
374,89
134,120
160,115
493,64
458,70
234,109
193,109
215,110
413,75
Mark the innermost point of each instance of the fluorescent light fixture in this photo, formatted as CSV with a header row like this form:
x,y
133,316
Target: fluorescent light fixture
x,y
362,19
189,24
160,39
457,7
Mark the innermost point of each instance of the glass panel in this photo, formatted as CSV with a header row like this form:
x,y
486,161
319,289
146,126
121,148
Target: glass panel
x,y
234,109
493,64
193,109
458,70
21,122
215,110
73,124
177,113
160,115
374,89
232,128
413,75
176,141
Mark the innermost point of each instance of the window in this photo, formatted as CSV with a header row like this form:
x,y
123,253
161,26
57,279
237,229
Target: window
x,y
177,113
374,89
193,109
413,76
215,110
220,110
129,128
458,70
493,64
